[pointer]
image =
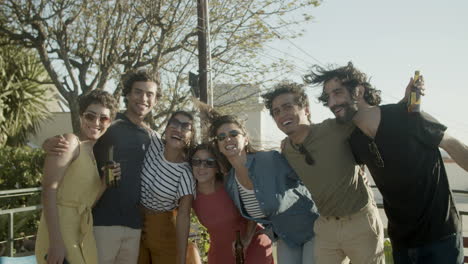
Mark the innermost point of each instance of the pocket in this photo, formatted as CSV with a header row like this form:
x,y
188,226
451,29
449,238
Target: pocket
x,y
374,222
317,224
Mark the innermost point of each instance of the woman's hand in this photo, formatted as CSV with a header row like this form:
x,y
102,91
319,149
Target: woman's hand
x,y
56,253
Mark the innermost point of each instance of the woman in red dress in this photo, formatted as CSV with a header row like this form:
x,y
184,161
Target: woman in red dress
x,y
216,211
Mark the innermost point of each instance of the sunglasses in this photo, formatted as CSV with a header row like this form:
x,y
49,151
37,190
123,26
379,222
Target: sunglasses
x,y
374,150
175,123
232,134
92,117
207,163
308,158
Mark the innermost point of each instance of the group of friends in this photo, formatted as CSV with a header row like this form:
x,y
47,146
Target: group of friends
x,y
311,199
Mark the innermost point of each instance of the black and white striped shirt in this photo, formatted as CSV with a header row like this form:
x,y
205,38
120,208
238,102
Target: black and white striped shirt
x,y
250,202
163,183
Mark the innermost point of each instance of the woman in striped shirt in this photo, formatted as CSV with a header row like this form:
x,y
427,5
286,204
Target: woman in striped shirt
x,y
266,190
167,190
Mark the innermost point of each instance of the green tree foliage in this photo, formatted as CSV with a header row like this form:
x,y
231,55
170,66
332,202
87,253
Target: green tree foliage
x,y
85,43
20,167
23,97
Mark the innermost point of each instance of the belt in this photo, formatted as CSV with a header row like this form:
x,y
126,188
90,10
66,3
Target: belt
x,y
86,221
151,211
363,210
337,218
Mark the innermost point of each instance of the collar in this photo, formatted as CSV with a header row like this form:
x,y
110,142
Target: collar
x,y
250,160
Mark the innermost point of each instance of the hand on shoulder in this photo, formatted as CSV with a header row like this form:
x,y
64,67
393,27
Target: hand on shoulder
x,y
67,145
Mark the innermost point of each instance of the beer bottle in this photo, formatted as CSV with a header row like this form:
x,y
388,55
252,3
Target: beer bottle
x,y
239,249
414,102
110,177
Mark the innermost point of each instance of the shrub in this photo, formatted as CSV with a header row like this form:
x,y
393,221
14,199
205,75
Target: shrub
x,y
20,168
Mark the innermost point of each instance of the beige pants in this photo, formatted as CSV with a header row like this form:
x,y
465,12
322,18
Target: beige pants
x,y
117,244
357,237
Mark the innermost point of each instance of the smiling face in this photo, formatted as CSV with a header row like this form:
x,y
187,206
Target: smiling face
x,y
141,98
287,114
178,132
202,172
339,100
231,140
94,121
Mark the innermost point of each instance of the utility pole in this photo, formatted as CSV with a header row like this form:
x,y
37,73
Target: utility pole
x,y
208,47
202,51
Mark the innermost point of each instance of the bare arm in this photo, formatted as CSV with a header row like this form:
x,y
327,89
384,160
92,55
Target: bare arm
x,y
183,227
456,149
54,171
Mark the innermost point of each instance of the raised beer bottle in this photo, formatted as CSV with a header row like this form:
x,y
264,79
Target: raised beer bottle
x,y
239,249
414,102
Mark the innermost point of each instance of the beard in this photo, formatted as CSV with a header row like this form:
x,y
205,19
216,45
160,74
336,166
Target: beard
x,y
348,112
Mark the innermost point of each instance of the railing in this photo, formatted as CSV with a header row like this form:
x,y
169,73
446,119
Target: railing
x,y
29,191
10,212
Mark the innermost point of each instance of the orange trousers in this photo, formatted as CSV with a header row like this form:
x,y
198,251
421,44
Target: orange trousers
x,y
158,238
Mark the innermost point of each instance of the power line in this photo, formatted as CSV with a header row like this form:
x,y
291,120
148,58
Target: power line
x,y
284,52
300,72
278,35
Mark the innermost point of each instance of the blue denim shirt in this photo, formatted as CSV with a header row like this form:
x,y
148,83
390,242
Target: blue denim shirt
x,y
283,198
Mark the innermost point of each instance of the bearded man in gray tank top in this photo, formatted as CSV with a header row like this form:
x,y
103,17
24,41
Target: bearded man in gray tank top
x,y
349,227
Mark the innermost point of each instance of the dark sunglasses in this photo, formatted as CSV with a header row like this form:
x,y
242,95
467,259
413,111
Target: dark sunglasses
x,y
92,117
374,150
175,123
308,158
207,163
233,133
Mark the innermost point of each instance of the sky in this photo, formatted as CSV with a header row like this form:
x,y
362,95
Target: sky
x,y
389,40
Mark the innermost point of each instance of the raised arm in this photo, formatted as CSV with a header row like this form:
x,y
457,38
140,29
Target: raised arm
x,y
456,149
54,171
419,85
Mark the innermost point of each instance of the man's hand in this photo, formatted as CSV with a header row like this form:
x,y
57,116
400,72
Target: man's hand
x,y
116,172
56,146
419,84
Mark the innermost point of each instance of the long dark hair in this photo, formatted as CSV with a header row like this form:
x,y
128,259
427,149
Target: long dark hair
x,y
216,123
208,146
191,144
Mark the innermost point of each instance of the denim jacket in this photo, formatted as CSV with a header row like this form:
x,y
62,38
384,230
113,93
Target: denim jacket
x,y
283,198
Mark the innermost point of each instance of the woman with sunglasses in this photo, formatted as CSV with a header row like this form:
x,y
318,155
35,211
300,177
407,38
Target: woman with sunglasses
x,y
167,190
71,185
216,211
266,189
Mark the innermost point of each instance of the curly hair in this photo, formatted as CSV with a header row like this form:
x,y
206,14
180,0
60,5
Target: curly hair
x,y
129,78
349,76
98,97
300,97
